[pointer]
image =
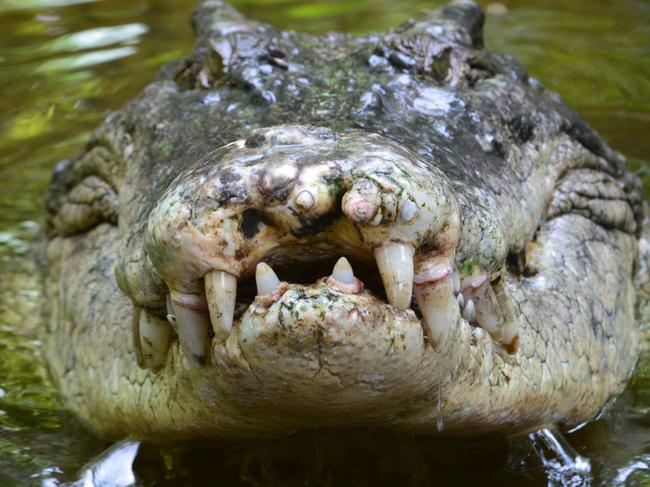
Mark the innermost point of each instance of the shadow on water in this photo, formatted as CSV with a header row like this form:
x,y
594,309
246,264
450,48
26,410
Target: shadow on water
x,y
64,63
335,458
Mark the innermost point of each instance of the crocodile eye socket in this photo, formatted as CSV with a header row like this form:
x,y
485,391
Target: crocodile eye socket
x,y
82,195
90,202
612,203
609,202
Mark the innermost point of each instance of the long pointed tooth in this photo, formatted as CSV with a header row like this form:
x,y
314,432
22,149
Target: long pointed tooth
x,y
460,299
221,293
439,310
193,328
510,338
267,281
468,311
136,336
155,339
487,315
395,263
510,327
171,317
343,271
456,281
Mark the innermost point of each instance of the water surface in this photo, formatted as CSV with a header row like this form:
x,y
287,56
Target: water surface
x,y
65,63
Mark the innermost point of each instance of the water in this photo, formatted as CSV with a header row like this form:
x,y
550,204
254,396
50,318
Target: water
x,y
113,468
64,63
561,463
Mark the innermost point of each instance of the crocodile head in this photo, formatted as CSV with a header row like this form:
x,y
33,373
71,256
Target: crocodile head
x,y
399,230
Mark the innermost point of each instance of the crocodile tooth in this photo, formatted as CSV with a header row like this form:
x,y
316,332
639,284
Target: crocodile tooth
x,y
395,263
468,310
155,339
510,327
460,299
456,281
193,328
487,314
343,271
221,293
171,317
266,279
439,309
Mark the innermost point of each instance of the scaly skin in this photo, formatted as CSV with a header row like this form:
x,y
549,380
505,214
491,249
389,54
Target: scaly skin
x,y
461,177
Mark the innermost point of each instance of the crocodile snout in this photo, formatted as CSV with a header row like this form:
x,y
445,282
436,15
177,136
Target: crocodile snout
x,y
298,197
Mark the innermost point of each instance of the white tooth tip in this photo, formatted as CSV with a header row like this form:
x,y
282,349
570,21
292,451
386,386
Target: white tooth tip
x,y
343,271
267,281
408,210
468,311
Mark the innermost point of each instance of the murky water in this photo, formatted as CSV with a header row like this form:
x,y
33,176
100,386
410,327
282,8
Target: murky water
x,y
64,63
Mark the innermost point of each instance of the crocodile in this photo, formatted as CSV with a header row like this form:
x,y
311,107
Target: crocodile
x,y
397,230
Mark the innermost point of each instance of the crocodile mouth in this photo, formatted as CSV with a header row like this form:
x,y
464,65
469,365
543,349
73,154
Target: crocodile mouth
x,y
345,300
310,271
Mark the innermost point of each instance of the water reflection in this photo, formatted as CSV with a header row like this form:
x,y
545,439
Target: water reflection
x,y
64,63
113,468
99,37
9,5
77,41
84,60
636,471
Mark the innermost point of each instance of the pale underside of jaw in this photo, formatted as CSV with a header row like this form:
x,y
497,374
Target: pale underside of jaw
x,y
440,295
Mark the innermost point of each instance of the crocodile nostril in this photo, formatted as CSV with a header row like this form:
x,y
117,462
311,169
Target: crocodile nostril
x,y
305,200
362,203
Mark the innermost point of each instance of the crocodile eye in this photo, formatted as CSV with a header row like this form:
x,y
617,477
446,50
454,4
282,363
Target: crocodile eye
x,y
203,71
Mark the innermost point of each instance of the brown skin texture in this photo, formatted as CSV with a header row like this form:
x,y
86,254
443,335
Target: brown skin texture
x,y
203,170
